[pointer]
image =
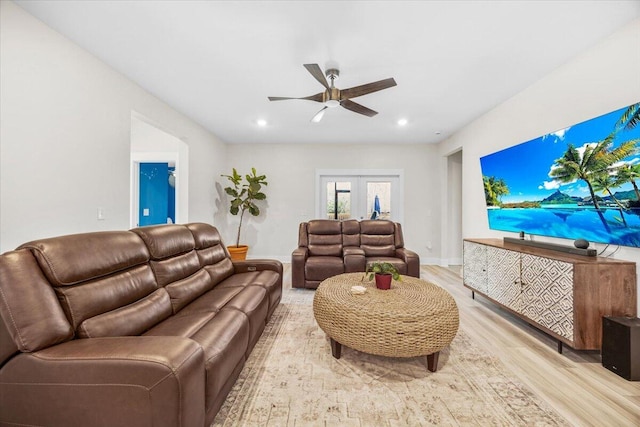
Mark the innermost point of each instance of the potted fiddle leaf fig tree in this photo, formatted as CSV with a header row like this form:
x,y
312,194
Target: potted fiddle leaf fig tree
x,y
383,272
244,192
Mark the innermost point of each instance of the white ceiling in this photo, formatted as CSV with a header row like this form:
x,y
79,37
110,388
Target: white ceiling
x,y
217,61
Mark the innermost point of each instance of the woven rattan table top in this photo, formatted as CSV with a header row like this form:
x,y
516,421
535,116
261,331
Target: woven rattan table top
x,y
412,318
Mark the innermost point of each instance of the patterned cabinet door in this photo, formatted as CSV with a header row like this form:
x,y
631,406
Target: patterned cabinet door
x,y
547,286
503,270
474,266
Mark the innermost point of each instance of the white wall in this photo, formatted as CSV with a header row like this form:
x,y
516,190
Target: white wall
x,y
291,173
151,144
65,137
603,79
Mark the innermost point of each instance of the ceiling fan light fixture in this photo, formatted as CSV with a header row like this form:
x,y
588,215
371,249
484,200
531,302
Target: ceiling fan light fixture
x,y
319,115
332,103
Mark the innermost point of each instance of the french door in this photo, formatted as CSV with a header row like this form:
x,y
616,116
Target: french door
x,y
360,195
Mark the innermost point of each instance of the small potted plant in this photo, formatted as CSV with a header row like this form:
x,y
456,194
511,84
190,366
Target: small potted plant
x,y
244,193
383,272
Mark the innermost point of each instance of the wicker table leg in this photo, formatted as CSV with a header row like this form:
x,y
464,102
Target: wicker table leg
x,y
336,348
432,361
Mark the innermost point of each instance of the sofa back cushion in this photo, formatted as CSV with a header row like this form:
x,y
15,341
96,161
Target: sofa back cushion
x,y
324,237
351,232
212,253
31,315
98,275
377,238
175,262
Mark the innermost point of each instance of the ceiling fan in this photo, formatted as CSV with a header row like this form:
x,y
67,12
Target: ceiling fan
x,y
332,96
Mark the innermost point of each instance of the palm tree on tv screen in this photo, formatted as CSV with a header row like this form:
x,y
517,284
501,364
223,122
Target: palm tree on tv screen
x,y
596,158
630,173
604,182
630,118
494,189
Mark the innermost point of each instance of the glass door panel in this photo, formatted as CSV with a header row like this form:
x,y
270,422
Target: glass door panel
x,y
338,204
378,200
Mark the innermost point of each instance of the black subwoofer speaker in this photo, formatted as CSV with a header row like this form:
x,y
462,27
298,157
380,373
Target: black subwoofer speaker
x,y
621,346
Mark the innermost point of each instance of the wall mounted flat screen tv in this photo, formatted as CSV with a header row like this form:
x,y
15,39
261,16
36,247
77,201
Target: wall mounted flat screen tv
x,y
578,182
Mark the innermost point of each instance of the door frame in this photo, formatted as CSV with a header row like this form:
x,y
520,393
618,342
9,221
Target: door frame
x,y
358,174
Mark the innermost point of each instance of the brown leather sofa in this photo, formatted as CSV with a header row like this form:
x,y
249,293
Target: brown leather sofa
x,y
147,327
330,247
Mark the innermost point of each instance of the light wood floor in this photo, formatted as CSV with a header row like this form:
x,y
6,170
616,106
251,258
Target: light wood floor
x,y
574,383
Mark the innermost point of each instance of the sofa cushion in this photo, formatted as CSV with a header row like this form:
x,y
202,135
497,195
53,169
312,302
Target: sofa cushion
x,y
223,335
224,339
96,274
211,251
28,305
184,325
211,302
350,232
377,238
325,237
133,319
164,241
253,301
321,267
175,262
72,259
99,296
184,291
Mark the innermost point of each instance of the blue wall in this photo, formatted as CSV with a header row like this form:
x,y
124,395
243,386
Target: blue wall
x,y
154,193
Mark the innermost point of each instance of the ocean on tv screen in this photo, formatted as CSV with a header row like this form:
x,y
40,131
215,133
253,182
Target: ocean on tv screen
x,y
606,225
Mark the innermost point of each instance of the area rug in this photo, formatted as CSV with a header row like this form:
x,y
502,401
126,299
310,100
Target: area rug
x,y
291,379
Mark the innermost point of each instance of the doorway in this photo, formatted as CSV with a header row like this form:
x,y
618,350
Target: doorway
x,y
159,175
452,202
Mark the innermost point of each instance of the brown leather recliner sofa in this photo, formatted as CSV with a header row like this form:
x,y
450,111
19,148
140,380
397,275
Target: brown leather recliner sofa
x,y
330,247
147,327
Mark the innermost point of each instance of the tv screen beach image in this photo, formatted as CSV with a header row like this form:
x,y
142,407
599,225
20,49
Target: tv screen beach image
x,y
578,182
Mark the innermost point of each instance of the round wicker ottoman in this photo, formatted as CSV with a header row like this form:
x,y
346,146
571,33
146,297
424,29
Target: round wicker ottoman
x,y
413,318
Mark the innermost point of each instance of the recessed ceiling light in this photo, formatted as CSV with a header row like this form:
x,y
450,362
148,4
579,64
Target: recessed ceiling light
x,y
261,122
402,122
437,132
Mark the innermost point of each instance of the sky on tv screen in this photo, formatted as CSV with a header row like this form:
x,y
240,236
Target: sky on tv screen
x,y
525,167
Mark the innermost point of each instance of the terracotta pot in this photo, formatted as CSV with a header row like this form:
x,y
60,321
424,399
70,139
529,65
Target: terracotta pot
x,y
383,281
238,253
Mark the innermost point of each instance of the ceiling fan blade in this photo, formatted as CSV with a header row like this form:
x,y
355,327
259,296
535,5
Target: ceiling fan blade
x,y
317,73
319,115
357,108
356,91
318,97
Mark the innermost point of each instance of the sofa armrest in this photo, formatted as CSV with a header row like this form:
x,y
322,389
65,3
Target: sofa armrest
x,y
298,261
257,265
354,259
411,259
117,381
